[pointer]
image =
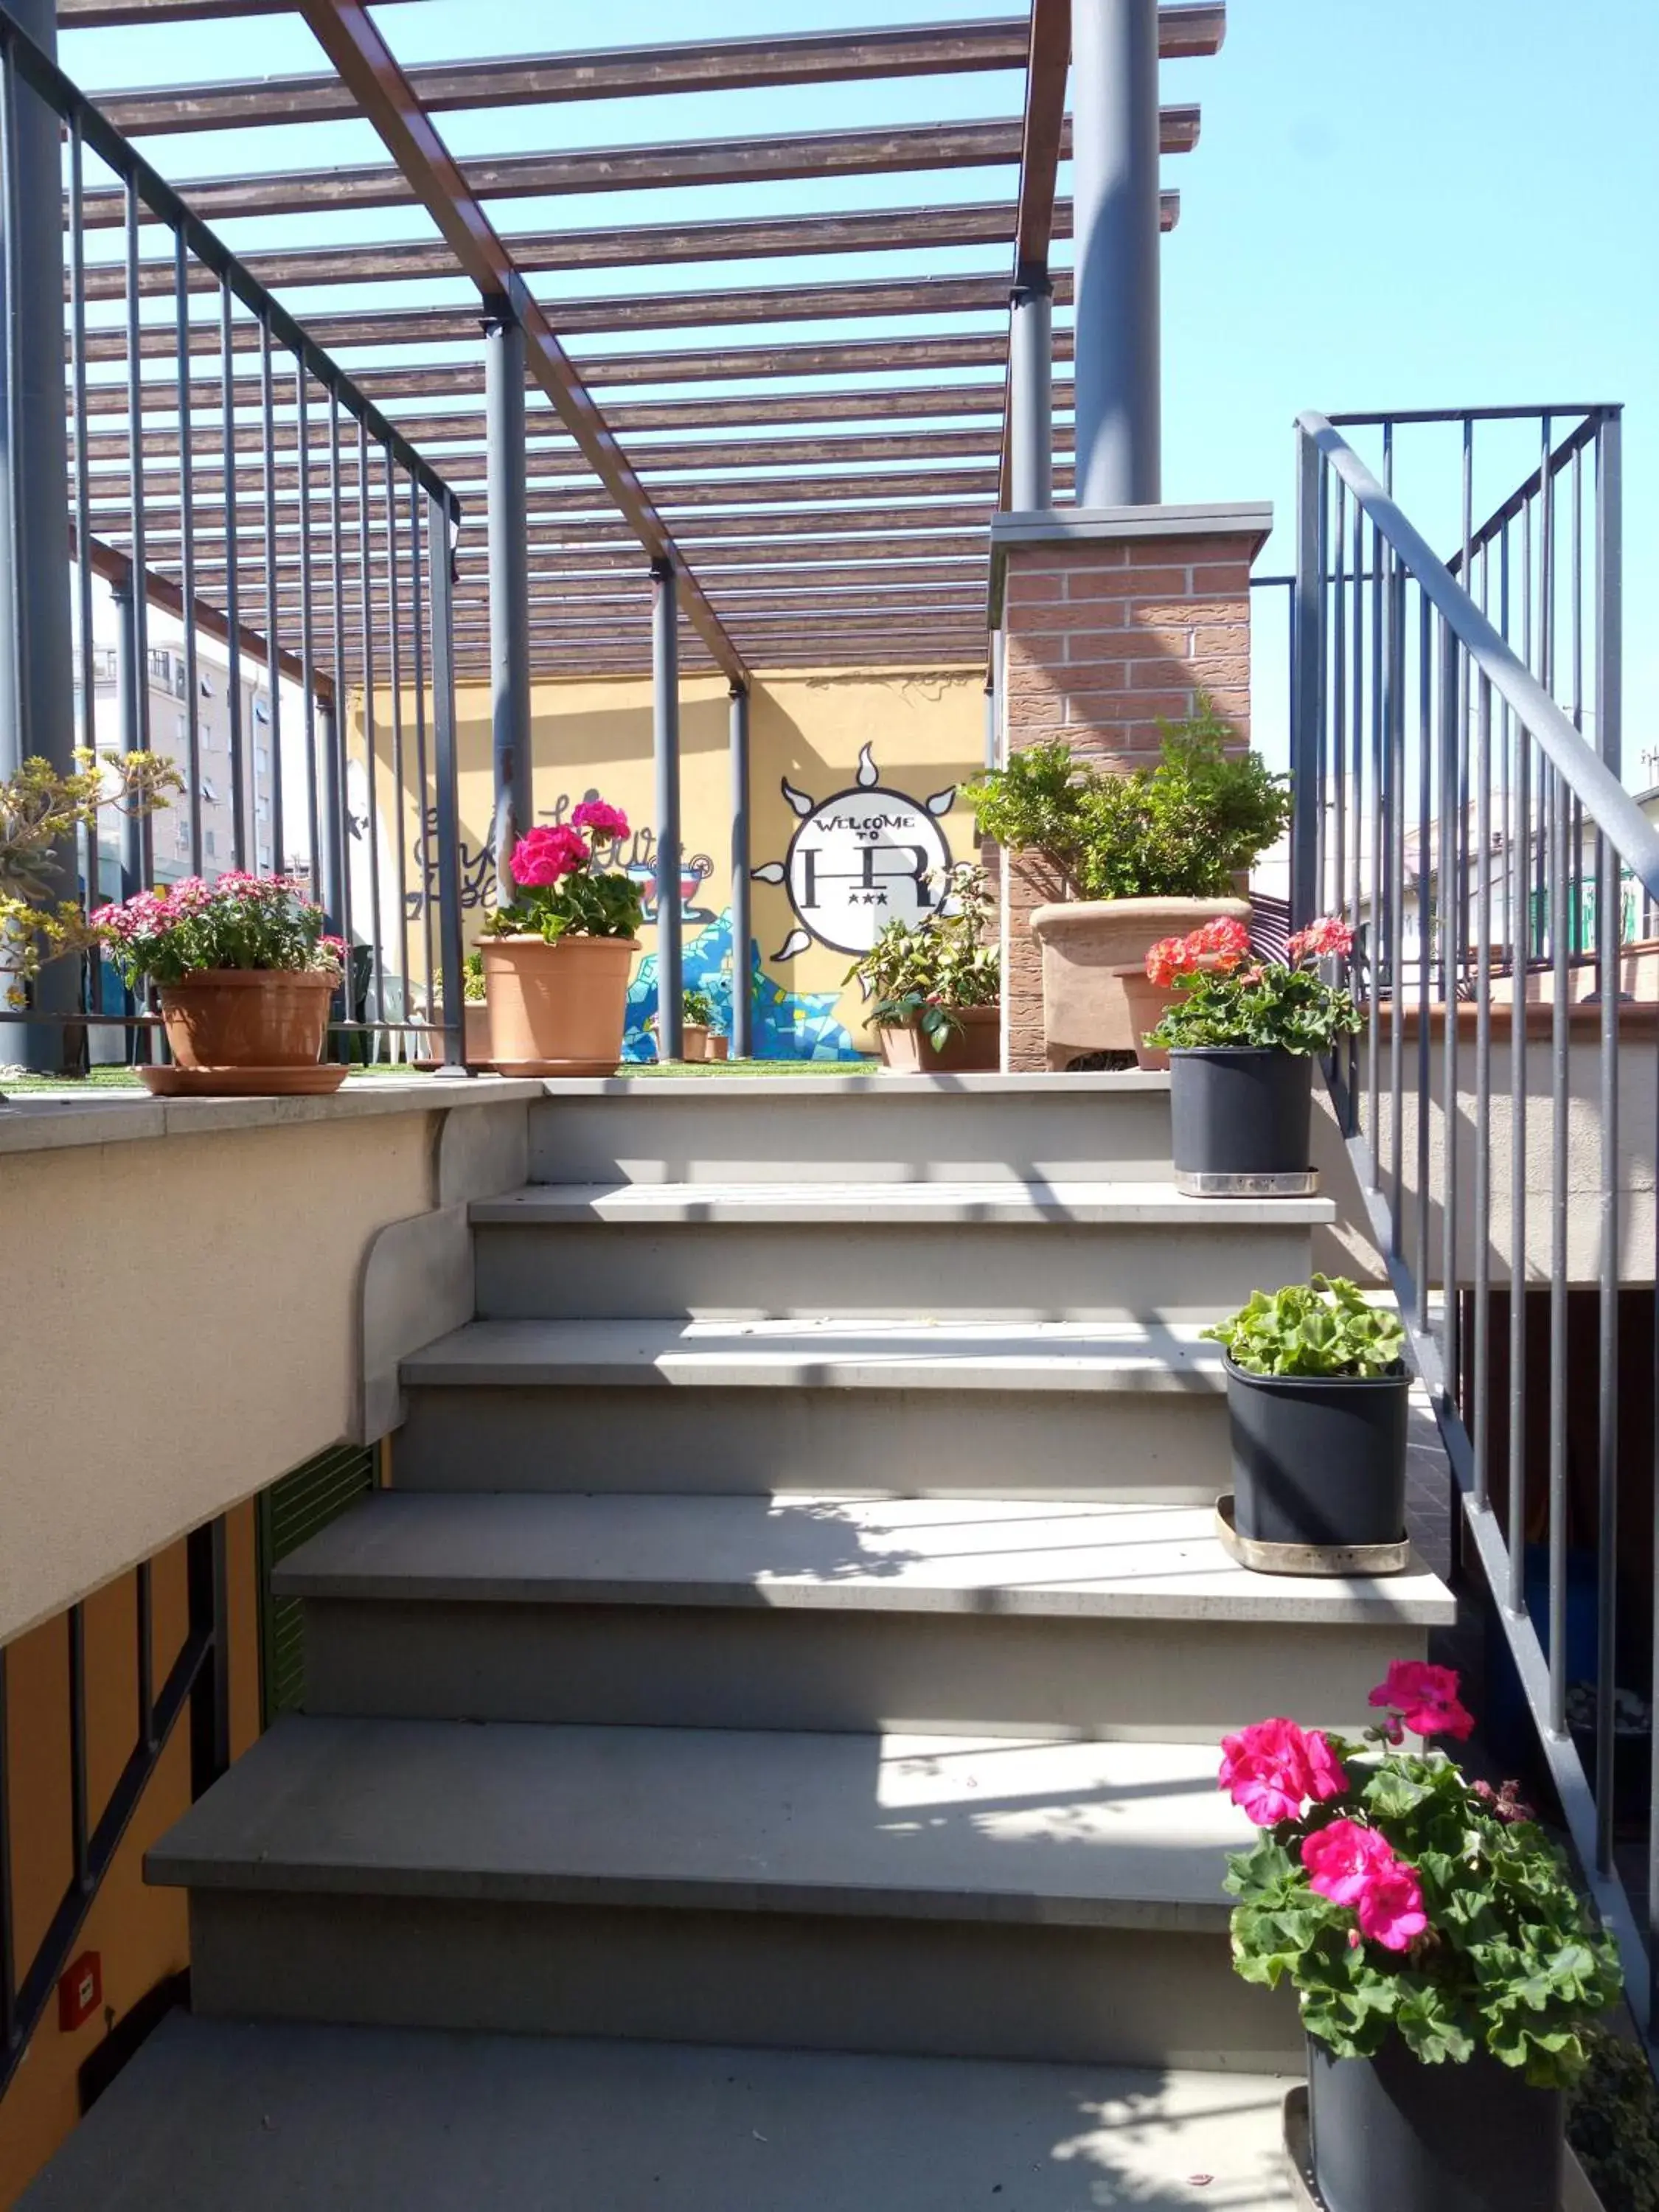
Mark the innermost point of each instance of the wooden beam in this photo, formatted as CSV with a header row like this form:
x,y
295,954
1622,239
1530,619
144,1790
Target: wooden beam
x,y
353,43
725,64
873,230
661,311
601,371
667,169
1045,138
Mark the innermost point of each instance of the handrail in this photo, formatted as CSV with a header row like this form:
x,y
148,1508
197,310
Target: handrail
x,y
1604,798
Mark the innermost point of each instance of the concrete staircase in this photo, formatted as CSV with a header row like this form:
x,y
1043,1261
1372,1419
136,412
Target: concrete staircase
x,y
797,1628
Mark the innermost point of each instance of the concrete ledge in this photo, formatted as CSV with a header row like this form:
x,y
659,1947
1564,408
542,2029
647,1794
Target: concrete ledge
x,y
891,1206
775,1090
1088,526
53,1120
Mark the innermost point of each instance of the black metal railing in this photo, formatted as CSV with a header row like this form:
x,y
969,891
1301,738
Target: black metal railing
x,y
198,1681
225,474
1456,751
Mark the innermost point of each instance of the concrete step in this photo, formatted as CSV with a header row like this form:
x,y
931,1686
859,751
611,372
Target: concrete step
x,y
942,1409
937,1895
871,1128
221,2117
1025,1251
798,1612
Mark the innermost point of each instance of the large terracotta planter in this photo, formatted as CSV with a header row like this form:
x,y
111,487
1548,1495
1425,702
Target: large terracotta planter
x,y
1086,942
974,1049
246,1029
557,1009
475,1039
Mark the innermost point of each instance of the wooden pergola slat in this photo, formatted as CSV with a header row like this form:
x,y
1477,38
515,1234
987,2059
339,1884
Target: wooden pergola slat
x,y
830,357
917,146
871,230
656,311
706,65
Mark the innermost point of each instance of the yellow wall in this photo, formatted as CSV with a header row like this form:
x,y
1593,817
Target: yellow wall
x,y
925,731
140,1934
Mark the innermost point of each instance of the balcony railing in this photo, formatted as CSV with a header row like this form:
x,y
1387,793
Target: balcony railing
x,y
1456,750
225,471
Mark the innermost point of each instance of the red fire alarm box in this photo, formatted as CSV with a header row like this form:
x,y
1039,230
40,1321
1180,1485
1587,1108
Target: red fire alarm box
x,y
80,1989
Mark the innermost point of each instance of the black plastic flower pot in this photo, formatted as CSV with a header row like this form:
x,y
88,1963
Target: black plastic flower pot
x,y
1392,2134
1241,1118
1318,1460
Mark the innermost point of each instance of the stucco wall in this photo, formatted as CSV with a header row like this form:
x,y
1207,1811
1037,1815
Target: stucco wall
x,y
181,1328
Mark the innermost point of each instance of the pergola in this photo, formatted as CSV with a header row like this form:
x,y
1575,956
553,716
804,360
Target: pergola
x,y
802,518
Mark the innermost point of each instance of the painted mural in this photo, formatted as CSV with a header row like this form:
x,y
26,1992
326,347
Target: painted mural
x,y
855,815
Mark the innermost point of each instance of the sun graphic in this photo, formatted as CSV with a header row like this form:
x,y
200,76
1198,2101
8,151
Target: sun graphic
x,y
859,859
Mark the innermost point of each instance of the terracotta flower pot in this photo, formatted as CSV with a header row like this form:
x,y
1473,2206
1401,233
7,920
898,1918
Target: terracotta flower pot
x,y
242,1018
974,1049
475,1040
557,1009
1086,943
694,1040
720,1047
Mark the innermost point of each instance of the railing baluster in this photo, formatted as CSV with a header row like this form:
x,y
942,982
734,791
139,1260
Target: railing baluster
x,y
424,823
1482,1378
448,812
85,661
372,831
273,617
394,648
308,656
187,549
233,579
1424,944
339,840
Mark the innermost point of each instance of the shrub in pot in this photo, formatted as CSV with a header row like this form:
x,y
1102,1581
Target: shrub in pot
x,y
557,959
1138,855
1241,1033
936,990
697,1014
244,974
1317,1395
1447,1973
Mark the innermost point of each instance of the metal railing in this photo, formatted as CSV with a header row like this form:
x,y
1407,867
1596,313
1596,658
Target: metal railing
x,y
198,1681
1455,744
225,474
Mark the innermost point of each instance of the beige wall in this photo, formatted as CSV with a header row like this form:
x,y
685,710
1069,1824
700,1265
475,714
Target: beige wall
x,y
181,1328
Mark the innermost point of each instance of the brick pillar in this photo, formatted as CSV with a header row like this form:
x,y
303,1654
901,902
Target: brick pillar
x,y
1114,618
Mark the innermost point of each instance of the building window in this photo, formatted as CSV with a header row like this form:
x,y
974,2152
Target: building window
x,y
209,844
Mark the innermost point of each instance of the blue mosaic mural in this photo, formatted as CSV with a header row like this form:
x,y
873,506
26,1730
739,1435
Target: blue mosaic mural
x,y
788,1024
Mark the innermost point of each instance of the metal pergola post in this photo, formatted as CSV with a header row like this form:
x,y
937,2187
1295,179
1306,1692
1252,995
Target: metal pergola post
x,y
509,585
665,721
1115,136
742,1042
1031,393
37,698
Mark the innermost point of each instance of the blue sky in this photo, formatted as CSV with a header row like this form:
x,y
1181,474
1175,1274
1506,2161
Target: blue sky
x,y
1417,204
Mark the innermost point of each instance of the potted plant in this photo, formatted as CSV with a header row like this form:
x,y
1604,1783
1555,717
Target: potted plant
x,y
1136,857
1449,1976
244,974
936,990
697,1014
1241,1034
556,960
1316,1402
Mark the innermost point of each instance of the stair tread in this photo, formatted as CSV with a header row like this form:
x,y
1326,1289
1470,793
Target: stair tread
x,y
1004,1829
986,1556
941,1204
827,1352
212,2113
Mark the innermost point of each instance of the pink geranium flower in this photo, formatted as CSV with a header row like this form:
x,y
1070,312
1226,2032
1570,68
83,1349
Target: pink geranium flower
x,y
1354,1865
603,820
541,856
1272,1769
1425,1698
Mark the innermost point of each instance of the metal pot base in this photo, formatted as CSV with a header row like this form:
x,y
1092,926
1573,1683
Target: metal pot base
x,y
1303,1184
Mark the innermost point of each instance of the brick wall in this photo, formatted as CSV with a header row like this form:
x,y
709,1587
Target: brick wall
x,y
1103,636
